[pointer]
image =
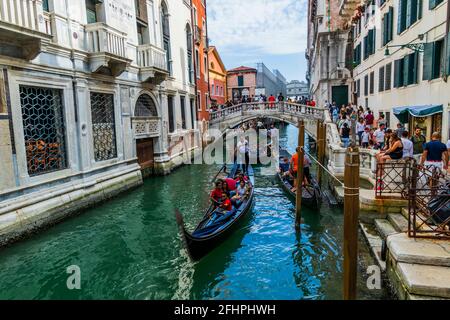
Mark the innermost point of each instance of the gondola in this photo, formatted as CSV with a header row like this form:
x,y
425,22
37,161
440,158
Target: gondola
x,y
311,195
215,226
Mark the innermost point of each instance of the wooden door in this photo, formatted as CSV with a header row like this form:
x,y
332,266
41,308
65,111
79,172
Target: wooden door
x,y
145,153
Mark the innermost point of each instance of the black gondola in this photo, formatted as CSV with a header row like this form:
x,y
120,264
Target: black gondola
x,y
216,226
311,195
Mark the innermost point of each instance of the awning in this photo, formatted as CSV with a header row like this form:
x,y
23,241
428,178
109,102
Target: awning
x,y
402,113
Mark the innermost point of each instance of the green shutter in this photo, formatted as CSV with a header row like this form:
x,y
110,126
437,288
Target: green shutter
x,y
414,9
448,54
409,20
419,9
432,4
397,73
399,17
405,70
428,61
391,23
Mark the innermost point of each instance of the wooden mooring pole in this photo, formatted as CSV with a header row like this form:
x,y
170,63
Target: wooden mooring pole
x,y
351,213
321,143
301,154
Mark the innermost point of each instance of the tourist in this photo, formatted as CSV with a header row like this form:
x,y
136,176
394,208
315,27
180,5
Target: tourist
x,y
379,136
241,193
271,101
216,194
418,140
231,185
226,204
280,97
360,128
369,119
435,153
388,135
400,130
407,146
366,138
345,134
284,167
395,152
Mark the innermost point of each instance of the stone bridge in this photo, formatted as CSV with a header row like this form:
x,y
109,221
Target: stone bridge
x,y
231,117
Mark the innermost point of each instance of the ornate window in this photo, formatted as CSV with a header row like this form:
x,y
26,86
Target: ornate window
x,y
43,129
103,126
145,107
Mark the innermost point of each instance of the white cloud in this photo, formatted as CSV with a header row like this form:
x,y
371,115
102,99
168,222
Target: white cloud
x,y
255,27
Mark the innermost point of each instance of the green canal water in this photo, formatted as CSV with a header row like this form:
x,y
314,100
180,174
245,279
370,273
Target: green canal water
x,y
130,248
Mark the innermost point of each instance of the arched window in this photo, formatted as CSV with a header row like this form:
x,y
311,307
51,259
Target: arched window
x,y
189,53
166,34
145,107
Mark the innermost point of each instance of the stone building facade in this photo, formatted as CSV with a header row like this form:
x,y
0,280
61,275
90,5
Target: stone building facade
x,y
217,77
241,82
92,93
329,67
401,55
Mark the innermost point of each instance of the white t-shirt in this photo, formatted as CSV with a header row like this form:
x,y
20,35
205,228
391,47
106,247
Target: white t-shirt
x,y
448,144
360,127
379,135
407,148
242,146
365,137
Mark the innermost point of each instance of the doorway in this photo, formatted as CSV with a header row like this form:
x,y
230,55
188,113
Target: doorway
x,y
340,95
144,151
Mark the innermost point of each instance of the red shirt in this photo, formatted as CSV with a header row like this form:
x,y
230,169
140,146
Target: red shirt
x,y
231,184
226,205
271,98
216,194
369,119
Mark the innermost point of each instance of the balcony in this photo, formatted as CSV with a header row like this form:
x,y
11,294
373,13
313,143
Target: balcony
x,y
152,62
23,32
347,7
146,127
107,49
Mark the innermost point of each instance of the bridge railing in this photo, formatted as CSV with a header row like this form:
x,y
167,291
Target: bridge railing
x,y
268,108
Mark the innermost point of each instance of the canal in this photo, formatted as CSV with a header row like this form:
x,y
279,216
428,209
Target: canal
x,y
129,248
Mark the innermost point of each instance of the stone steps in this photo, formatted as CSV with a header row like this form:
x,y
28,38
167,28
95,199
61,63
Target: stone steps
x,y
398,221
384,228
375,242
425,280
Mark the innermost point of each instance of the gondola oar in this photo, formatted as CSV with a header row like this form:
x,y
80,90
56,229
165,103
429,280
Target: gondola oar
x,y
214,179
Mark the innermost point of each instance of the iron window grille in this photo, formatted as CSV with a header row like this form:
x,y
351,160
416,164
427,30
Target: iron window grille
x,y
44,129
145,107
103,126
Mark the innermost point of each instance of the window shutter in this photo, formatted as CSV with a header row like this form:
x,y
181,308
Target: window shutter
x,y
432,4
372,82
397,73
374,40
405,71
408,13
413,63
366,85
428,61
381,80
385,29
399,17
419,9
388,72
448,54
391,24
414,10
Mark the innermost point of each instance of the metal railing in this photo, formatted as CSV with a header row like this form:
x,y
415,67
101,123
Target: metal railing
x,y
393,178
146,126
267,108
429,204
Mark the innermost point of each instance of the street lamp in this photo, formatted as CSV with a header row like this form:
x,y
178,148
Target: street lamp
x,y
417,47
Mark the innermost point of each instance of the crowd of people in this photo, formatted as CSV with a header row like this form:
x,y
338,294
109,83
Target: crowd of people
x,y
262,98
393,144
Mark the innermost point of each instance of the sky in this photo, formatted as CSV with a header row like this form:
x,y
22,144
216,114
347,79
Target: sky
x,y
271,31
